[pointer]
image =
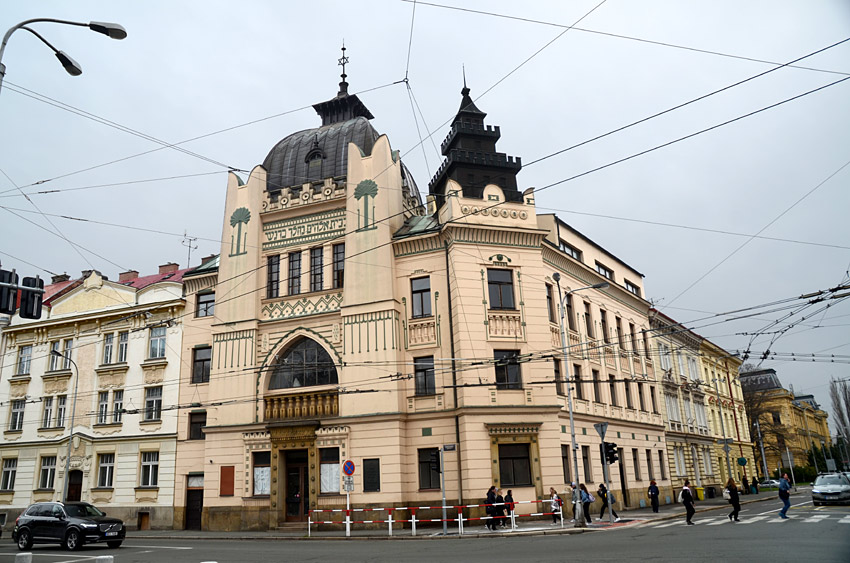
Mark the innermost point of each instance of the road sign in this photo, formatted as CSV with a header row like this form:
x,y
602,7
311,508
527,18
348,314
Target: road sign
x,y
348,467
601,428
348,483
727,449
725,440
742,461
449,447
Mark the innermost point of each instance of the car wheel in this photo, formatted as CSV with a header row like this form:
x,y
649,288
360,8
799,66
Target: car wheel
x,y
114,544
73,541
816,503
24,539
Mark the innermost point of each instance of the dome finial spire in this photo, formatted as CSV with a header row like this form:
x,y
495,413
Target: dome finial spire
x,y
343,60
465,91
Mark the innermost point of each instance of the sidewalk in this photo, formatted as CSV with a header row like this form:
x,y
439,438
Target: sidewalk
x,y
629,517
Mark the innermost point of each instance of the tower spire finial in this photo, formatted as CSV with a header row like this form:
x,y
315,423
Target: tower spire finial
x,y
465,91
343,60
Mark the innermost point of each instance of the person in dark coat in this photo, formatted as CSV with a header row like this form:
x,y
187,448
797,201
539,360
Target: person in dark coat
x,y
490,523
745,486
509,503
734,500
605,496
499,510
653,493
687,498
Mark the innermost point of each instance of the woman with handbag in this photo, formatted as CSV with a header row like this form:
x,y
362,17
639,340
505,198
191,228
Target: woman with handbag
x,y
585,502
730,493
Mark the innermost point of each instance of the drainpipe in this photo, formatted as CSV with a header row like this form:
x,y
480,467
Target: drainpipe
x,y
454,378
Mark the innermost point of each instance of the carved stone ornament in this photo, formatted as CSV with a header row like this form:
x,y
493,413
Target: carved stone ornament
x,y
18,389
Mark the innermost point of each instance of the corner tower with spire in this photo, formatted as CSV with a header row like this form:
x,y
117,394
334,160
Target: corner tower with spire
x,y
471,157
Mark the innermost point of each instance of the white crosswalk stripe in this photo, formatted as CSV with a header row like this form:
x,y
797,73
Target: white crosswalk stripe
x,y
816,518
845,520
718,522
752,519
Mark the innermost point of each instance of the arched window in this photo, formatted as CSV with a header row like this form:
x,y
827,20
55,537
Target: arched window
x,y
303,364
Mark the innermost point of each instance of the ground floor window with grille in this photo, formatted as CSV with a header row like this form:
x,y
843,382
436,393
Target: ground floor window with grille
x,y
514,465
10,469
150,469
105,470
429,468
329,470
48,472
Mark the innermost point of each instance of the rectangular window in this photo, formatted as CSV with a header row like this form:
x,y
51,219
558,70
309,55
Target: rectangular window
x,y
597,392
294,286
612,387
424,375
605,271
706,459
105,470
123,337
633,343
579,384
559,382
108,341
157,344
619,326
571,316
61,401
54,363
650,473
339,265
646,349
632,287
197,421
117,405
227,483
693,370
603,315
205,306
664,357
262,473
201,360
514,465
273,276
48,472
652,397
429,468
571,251
10,469
500,284
103,407
661,468
153,403
24,359
47,414
681,362
672,404
641,399
565,462
550,304
508,375
16,421
636,462
150,469
67,346
329,470
588,320
628,392
585,460
317,259
371,475
420,297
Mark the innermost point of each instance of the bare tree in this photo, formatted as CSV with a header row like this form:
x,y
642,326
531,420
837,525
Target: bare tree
x,y
839,393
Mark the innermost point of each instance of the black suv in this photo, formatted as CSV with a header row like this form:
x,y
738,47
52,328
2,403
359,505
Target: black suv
x,y
70,524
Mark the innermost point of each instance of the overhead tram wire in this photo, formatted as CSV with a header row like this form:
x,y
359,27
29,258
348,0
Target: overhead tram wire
x,y
620,36
115,184
410,41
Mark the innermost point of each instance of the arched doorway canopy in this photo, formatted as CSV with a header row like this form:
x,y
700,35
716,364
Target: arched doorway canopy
x,y
303,364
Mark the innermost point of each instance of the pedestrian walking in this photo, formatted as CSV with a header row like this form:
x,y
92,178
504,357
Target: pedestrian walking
x,y
653,493
509,505
500,509
490,509
755,486
607,498
785,495
556,504
745,486
686,497
585,502
730,493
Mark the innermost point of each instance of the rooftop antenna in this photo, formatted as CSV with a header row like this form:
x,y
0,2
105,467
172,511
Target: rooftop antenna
x,y
343,60
189,242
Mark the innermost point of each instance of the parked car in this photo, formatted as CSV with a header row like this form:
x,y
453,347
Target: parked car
x,y
769,483
70,524
830,488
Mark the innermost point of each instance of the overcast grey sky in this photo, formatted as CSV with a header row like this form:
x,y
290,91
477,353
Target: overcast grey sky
x,y
189,69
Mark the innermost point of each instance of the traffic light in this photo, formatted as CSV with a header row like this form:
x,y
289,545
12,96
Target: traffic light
x,y
8,295
611,452
32,291
435,461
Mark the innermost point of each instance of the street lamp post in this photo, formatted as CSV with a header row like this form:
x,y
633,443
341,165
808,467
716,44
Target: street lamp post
x,y
579,514
73,415
112,30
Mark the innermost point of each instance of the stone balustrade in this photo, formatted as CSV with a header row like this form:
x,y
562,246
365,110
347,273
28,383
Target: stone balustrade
x,y
302,405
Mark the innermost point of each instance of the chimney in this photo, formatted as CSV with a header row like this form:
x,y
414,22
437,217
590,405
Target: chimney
x,y
60,278
168,268
208,258
129,275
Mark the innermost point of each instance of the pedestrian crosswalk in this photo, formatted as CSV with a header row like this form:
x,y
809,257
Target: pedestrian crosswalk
x,y
772,518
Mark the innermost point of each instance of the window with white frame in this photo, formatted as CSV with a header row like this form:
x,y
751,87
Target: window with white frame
x,y
24,359
61,402
48,472
664,356
679,457
16,419
105,470
570,250
692,368
681,363
103,407
605,271
10,469
150,469
117,405
54,362
157,344
689,416
329,467
706,460
699,409
632,287
67,346
108,344
122,346
672,404
47,412
153,403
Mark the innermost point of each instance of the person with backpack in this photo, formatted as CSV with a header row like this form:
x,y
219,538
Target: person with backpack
x,y
686,497
556,504
607,497
653,493
586,499
785,495
730,493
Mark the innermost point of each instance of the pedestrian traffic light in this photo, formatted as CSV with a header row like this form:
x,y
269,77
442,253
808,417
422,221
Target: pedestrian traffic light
x,y
8,292
435,461
32,290
611,452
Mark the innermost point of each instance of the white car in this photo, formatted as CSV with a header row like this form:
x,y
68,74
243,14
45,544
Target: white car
x,y
769,483
831,488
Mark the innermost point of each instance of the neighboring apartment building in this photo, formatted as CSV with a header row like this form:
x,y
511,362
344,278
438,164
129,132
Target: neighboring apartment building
x,y
117,367
690,442
788,424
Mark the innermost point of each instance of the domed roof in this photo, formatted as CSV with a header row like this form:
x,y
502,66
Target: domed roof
x,y
312,155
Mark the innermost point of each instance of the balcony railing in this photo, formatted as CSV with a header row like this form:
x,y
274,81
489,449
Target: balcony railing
x,y
505,324
303,405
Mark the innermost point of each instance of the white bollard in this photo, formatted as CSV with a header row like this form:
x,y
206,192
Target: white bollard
x,y
390,520
23,558
413,521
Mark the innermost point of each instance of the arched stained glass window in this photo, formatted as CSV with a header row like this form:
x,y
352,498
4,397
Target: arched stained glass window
x,y
303,364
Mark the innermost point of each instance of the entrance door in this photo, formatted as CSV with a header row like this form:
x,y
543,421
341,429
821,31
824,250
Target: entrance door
x,y
75,485
194,508
624,489
297,486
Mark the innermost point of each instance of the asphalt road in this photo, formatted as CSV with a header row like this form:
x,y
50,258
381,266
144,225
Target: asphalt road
x,y
820,534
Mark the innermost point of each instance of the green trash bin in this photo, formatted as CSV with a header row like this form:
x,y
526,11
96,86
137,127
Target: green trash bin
x,y
700,493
